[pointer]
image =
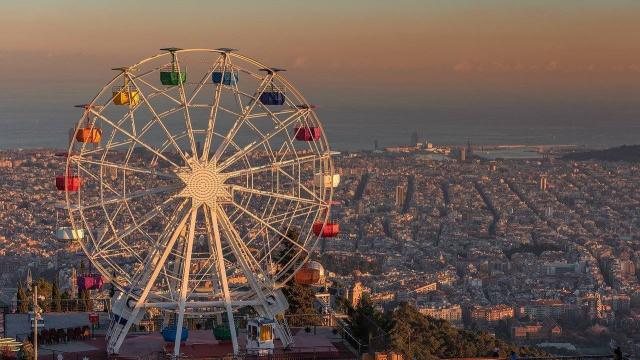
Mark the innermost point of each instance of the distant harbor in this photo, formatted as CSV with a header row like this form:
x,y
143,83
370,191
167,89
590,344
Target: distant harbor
x,y
429,151
527,152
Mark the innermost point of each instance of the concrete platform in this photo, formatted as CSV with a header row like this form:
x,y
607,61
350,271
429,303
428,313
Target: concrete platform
x,y
201,344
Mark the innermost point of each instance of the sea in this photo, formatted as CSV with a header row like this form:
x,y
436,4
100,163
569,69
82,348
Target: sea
x,y
40,117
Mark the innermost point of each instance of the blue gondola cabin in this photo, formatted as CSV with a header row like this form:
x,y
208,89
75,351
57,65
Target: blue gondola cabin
x,y
227,78
272,98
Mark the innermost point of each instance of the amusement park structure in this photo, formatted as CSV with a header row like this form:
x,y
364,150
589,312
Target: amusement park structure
x,y
198,182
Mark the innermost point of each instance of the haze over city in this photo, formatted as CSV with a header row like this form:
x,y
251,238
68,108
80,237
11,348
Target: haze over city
x,y
535,72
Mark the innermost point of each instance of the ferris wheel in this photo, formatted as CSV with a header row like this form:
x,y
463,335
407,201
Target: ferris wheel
x,y
201,180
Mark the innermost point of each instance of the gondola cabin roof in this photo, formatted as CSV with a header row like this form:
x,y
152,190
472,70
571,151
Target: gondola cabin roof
x,y
272,70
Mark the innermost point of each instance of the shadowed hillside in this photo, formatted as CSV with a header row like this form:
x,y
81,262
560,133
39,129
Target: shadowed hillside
x,y
628,153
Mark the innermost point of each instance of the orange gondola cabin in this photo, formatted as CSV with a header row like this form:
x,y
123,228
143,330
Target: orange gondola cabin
x,y
91,135
311,273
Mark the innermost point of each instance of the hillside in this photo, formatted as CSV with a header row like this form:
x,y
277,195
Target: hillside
x,y
628,153
421,337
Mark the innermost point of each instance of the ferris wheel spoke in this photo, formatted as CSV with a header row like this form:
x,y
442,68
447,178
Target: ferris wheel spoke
x,y
84,170
135,138
274,195
185,107
152,268
255,145
113,165
165,242
159,121
302,211
259,115
130,196
184,284
296,213
211,244
203,81
214,236
270,114
157,91
266,224
229,111
213,114
299,184
142,132
272,166
248,263
239,122
106,244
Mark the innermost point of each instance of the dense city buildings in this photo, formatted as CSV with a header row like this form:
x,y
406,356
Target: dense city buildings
x,y
529,249
539,246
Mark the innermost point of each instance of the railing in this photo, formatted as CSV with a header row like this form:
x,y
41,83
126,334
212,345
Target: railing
x,y
309,320
341,328
563,357
45,353
311,353
345,333
572,357
74,305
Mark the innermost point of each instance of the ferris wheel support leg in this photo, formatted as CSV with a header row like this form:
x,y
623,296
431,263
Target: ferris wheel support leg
x,y
117,330
184,284
270,304
223,279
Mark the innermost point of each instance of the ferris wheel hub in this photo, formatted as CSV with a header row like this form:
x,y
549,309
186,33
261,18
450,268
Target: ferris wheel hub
x,y
203,184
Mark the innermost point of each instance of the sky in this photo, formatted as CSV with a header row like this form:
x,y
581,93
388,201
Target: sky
x,y
420,64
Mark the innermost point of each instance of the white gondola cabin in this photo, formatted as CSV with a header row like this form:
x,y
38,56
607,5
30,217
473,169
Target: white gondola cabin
x,y
67,233
327,180
260,336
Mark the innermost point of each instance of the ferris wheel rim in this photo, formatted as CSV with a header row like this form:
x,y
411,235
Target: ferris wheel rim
x,y
142,62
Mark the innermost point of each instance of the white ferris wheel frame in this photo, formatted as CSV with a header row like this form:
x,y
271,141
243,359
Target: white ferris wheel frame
x,y
188,198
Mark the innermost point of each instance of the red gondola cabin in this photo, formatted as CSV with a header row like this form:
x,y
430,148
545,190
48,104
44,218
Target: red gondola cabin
x,y
90,282
308,133
68,182
326,230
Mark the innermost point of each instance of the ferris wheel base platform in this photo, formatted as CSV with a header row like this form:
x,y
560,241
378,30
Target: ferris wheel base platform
x,y
202,344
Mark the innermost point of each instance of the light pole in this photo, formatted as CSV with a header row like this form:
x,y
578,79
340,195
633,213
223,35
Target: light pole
x,y
35,321
36,317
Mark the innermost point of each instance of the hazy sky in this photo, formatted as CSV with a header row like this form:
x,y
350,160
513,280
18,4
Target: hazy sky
x,y
359,53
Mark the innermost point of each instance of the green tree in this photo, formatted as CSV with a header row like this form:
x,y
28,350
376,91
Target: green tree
x,y
85,301
65,299
367,322
26,351
300,298
45,289
23,300
56,304
422,337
